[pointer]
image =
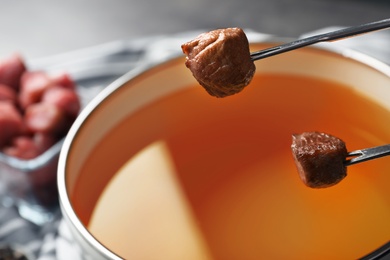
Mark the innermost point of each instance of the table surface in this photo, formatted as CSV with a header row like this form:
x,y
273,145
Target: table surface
x,y
43,28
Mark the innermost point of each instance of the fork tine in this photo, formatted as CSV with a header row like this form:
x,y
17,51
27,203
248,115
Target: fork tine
x,y
367,154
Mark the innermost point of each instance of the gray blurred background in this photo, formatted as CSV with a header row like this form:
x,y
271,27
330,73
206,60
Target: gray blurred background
x,y
42,28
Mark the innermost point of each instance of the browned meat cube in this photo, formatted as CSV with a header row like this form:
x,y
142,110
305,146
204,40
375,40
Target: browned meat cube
x,y
64,98
33,84
11,69
11,123
319,158
220,61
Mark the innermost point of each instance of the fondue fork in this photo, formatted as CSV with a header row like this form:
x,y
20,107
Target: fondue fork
x,y
325,37
367,154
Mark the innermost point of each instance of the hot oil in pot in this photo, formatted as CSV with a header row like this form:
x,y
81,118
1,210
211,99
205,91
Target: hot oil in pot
x,y
210,178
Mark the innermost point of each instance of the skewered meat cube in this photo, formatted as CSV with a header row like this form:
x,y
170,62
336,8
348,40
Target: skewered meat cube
x,y
220,61
319,158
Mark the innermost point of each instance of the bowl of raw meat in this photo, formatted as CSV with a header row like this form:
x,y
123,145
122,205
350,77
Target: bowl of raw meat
x,y
36,111
156,168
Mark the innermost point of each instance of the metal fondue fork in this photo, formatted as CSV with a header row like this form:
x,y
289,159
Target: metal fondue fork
x,y
325,37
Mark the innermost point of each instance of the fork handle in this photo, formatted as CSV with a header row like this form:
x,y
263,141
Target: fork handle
x,y
330,36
